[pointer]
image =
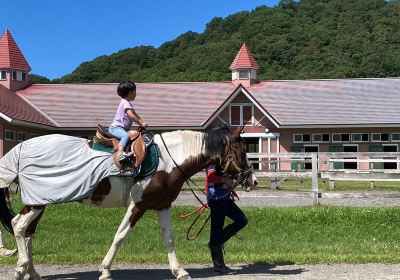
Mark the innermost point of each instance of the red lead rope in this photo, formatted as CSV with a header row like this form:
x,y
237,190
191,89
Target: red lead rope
x,y
199,212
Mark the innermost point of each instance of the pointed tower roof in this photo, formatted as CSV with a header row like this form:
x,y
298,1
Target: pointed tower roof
x,y
244,59
10,55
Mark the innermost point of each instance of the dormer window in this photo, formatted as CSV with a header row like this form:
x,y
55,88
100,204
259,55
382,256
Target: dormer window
x,y
243,74
3,75
241,114
19,76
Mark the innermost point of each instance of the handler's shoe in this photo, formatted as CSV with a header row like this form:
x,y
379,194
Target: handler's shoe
x,y
7,253
218,260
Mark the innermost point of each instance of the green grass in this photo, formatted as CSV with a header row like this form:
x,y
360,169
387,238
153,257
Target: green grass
x,y
72,233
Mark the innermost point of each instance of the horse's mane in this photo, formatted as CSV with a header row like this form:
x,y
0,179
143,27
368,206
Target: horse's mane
x,y
209,144
193,142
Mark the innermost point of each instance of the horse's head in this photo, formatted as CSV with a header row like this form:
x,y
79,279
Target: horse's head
x,y
231,151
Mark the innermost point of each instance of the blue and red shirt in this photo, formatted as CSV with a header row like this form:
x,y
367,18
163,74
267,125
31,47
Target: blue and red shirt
x,y
215,188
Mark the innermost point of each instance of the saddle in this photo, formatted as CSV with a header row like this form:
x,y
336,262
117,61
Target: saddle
x,y
136,150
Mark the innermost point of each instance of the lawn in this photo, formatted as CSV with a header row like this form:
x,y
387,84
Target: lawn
x,y
72,233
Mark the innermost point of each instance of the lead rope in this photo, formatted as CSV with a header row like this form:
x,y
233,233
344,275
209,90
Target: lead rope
x,y
199,210
187,178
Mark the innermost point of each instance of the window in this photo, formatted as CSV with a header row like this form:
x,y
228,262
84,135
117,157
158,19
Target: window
x,y
310,149
21,136
395,137
23,76
350,148
10,135
241,114
297,138
359,137
320,138
340,137
243,74
253,146
301,138
14,75
3,75
380,137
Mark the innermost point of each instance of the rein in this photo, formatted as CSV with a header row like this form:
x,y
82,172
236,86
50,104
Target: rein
x,y
187,178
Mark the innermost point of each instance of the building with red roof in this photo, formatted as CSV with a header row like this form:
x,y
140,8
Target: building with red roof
x,y
354,115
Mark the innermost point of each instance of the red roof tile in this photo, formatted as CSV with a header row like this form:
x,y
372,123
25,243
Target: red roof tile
x,y
331,102
290,103
244,59
15,107
10,55
159,104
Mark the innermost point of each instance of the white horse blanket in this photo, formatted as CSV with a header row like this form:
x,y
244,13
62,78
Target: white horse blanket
x,y
55,168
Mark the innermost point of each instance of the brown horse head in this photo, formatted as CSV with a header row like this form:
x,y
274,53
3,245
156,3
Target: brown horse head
x,y
232,153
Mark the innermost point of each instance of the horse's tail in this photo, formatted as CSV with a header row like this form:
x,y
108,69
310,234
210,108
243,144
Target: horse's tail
x,y
9,173
6,213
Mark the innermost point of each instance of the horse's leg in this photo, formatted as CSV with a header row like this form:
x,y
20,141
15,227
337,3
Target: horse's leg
x,y
20,225
33,275
133,214
164,218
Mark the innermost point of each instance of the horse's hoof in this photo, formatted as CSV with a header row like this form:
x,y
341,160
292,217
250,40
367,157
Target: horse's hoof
x,y
105,275
184,277
18,275
33,275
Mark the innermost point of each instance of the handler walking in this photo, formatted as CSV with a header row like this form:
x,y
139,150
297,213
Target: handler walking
x,y
220,199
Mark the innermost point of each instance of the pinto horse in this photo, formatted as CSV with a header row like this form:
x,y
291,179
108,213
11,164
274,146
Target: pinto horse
x,y
182,154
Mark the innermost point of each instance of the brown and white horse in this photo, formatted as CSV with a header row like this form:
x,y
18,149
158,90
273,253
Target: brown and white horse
x,y
183,154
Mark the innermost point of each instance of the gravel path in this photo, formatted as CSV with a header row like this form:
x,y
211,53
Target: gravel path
x,y
259,198
247,271
277,198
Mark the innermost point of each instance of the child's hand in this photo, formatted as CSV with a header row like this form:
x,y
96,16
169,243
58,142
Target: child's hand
x,y
144,125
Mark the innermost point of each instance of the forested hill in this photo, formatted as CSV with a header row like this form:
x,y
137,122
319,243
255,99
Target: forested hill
x,y
308,39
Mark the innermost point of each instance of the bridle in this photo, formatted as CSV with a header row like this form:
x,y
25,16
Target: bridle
x,y
229,160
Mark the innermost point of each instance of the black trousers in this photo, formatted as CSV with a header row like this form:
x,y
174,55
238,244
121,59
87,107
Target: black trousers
x,y
220,209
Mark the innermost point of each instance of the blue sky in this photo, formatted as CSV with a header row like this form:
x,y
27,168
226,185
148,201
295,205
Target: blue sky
x,y
56,36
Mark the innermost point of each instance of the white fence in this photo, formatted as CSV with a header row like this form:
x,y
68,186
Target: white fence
x,y
371,166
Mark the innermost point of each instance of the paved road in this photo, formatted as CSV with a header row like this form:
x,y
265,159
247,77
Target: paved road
x,y
248,271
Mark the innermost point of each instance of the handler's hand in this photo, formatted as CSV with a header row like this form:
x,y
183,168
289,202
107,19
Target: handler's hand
x,y
234,196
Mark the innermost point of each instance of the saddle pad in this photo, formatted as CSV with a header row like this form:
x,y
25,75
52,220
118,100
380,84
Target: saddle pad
x,y
102,148
150,163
